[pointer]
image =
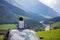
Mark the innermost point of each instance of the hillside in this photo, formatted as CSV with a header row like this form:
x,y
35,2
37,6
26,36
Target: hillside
x,y
56,19
52,20
44,10
55,25
34,6
10,13
50,35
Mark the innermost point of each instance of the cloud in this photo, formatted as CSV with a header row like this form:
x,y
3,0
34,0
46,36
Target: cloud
x,y
54,4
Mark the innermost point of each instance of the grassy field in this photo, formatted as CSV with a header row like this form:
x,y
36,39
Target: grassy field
x,y
56,25
47,35
50,35
7,26
1,37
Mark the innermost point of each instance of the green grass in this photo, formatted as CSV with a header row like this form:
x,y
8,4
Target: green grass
x,y
1,37
50,35
7,26
47,35
57,25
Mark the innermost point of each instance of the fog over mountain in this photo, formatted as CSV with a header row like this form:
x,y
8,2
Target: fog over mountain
x,y
34,6
31,10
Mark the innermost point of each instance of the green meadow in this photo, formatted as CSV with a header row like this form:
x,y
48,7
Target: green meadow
x,y
47,35
1,37
53,34
7,26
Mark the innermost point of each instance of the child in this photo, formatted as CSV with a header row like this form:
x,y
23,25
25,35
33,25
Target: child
x,y
21,23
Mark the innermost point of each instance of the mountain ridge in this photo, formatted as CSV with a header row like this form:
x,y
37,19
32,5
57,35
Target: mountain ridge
x,y
10,12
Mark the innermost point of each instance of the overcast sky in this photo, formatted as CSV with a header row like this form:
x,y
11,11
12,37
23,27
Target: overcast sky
x,y
55,4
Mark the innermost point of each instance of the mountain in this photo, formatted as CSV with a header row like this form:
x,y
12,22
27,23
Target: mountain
x,y
56,19
53,20
42,9
10,13
34,6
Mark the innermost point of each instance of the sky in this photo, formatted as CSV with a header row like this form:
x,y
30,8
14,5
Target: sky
x,y
54,4
26,4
